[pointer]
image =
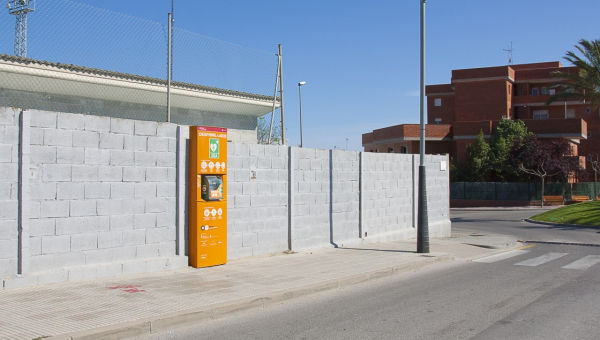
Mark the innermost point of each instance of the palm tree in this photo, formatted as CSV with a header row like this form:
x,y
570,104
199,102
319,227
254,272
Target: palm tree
x,y
583,86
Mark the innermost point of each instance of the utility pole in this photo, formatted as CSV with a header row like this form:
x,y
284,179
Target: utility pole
x,y
169,59
422,219
20,8
281,94
275,99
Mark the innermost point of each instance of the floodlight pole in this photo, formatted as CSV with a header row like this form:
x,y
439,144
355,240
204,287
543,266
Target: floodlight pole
x,y
422,220
169,68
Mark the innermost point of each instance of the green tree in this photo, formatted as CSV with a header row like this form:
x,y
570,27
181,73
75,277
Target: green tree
x,y
262,131
506,135
478,159
585,84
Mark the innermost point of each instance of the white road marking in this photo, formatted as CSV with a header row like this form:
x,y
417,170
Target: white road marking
x,y
584,262
541,259
503,256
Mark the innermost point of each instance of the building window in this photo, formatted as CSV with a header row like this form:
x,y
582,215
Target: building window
x,y
535,91
551,92
587,110
438,120
390,150
589,158
509,88
541,114
544,90
571,113
589,134
437,102
403,149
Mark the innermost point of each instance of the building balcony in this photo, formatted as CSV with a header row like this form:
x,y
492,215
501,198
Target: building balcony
x,y
530,100
572,128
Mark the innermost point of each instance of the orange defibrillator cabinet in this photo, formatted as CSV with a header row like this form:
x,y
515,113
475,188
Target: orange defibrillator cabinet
x,y
207,196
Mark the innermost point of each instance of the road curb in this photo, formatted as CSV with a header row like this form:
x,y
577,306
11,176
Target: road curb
x,y
561,224
189,317
495,246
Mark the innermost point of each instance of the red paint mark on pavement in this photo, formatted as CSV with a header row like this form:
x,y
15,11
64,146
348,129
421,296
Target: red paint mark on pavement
x,y
128,289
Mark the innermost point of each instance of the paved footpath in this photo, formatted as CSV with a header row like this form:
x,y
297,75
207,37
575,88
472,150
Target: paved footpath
x,y
135,305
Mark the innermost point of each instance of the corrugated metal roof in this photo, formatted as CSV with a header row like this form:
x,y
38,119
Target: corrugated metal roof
x,y
133,77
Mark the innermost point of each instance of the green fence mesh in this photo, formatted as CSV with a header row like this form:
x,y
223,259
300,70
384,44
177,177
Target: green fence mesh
x,y
520,191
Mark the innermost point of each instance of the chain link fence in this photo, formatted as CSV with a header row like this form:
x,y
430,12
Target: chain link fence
x,y
520,191
83,59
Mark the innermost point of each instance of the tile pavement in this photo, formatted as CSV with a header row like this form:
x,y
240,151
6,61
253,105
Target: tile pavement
x,y
133,305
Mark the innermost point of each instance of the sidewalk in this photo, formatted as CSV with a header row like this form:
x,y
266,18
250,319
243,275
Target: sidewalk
x,y
136,305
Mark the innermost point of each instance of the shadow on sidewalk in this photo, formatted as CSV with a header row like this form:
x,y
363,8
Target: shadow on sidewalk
x,y
386,250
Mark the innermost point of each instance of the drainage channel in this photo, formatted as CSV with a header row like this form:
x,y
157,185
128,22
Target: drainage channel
x,y
562,243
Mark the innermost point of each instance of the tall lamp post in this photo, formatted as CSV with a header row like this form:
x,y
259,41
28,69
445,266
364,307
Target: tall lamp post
x,y
422,220
300,98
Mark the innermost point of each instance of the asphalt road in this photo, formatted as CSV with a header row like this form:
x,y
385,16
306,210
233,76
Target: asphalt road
x,y
543,291
511,222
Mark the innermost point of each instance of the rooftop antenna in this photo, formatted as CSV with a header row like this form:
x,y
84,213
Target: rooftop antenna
x,y
510,56
20,8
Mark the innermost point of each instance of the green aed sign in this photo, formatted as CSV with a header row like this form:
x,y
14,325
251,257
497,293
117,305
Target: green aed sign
x,y
213,146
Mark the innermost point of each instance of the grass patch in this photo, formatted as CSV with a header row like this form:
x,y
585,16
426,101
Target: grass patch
x,y
584,213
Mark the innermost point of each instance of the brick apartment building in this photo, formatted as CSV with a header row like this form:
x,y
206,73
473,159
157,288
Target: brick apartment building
x,y
477,99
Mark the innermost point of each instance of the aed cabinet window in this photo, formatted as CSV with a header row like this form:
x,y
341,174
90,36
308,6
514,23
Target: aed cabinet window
x,y
437,102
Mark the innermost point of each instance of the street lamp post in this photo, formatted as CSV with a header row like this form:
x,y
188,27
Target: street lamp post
x,y
422,220
300,98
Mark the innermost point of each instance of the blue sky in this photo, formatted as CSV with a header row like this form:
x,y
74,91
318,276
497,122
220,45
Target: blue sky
x,y
360,59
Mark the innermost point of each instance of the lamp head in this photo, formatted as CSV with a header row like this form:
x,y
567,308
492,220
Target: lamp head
x,y
301,83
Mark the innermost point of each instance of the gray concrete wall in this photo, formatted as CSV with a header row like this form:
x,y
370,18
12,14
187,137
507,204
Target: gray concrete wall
x,y
87,196
257,199
103,197
311,191
438,195
9,204
345,200
388,195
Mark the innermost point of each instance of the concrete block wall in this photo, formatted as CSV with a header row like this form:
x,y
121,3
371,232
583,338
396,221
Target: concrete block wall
x,y
438,194
257,199
86,196
9,204
345,200
103,197
388,195
311,190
